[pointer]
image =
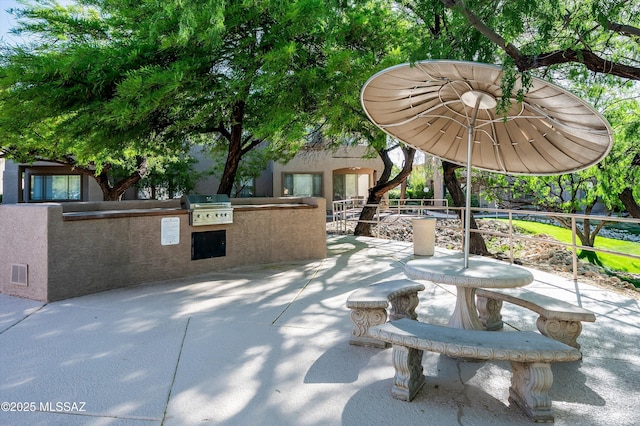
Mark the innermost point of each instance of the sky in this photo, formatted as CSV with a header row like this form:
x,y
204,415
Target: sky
x,y
6,20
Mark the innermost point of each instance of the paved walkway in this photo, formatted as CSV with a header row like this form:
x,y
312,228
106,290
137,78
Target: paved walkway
x,y
267,345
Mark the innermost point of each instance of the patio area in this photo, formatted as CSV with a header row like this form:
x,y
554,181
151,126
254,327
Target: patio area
x,y
268,345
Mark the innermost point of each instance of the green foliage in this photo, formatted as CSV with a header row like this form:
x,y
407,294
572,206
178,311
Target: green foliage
x,y
420,182
621,168
250,167
113,76
170,177
366,37
394,194
568,193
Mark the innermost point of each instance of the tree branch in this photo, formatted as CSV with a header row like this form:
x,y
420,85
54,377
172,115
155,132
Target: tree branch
x,y
626,30
583,56
528,62
484,29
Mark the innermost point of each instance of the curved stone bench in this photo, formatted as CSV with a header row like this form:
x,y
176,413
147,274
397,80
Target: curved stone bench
x,y
557,319
369,307
530,353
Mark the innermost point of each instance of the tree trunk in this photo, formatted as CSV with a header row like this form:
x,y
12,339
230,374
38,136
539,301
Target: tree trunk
x,y
476,244
586,236
626,196
116,191
235,150
382,187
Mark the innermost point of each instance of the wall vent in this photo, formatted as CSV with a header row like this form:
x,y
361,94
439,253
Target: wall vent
x,y
19,274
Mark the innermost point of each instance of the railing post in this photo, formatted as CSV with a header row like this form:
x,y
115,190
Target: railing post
x,y
378,221
573,248
344,216
510,235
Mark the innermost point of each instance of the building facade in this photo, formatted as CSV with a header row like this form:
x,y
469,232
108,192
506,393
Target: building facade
x,y
331,174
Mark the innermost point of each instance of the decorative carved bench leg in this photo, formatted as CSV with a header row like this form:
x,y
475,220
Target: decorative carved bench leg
x,y
404,307
566,332
409,377
362,319
530,384
489,313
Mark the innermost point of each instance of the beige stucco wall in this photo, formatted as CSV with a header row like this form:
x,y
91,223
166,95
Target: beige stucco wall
x,y
82,255
325,162
24,240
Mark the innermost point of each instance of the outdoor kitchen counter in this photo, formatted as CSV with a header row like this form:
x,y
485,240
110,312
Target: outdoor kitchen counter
x,y
273,206
111,214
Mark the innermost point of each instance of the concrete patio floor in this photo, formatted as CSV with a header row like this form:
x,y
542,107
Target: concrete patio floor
x,y
268,345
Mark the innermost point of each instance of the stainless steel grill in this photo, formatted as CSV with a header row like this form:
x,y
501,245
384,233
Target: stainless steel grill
x,y
208,209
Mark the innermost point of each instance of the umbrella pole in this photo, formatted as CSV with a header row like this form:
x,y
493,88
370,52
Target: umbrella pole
x,y
467,210
478,97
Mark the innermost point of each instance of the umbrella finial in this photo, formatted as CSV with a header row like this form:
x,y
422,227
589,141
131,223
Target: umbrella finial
x,y
476,98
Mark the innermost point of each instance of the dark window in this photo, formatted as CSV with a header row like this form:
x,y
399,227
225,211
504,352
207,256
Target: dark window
x,y
302,185
55,188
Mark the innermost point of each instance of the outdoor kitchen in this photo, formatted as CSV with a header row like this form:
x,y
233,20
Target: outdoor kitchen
x,y
55,251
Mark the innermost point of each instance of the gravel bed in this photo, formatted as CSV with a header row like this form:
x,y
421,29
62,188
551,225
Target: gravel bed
x,y
541,255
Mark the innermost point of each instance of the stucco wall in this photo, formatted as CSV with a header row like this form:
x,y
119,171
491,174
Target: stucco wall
x,y
326,162
79,254
24,241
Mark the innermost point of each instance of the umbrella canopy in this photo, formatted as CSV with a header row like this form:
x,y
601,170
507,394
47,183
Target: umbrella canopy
x,y
431,105
448,109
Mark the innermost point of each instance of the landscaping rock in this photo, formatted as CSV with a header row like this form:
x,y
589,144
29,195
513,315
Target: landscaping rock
x,y
539,254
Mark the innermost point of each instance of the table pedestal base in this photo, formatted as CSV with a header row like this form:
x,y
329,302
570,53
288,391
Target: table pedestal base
x,y
465,314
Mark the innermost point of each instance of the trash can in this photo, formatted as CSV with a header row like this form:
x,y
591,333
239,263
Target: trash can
x,y
424,236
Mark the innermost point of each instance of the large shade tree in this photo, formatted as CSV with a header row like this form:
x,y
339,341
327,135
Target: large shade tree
x,y
564,42
391,38
579,41
114,80
51,89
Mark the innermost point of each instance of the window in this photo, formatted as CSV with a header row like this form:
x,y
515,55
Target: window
x,y
55,188
350,185
302,185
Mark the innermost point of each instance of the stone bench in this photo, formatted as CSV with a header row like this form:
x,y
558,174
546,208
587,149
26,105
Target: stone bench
x,y
557,319
530,354
369,307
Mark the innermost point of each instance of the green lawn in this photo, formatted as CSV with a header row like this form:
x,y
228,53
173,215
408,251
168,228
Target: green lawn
x,y
610,261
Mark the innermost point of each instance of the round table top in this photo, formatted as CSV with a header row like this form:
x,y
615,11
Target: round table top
x,y
482,271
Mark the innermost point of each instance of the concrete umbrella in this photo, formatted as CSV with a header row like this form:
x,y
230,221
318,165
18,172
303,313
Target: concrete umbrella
x,y
448,109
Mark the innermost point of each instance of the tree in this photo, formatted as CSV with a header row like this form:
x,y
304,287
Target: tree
x,y
110,77
54,98
619,182
172,177
384,185
379,35
570,42
601,36
567,193
250,167
476,242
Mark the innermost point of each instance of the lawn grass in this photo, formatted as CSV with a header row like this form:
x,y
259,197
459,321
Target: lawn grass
x,y
609,261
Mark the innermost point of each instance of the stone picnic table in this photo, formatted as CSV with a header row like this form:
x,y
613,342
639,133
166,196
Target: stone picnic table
x,y
482,272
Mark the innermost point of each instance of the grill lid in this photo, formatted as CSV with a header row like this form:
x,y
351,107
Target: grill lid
x,y
193,202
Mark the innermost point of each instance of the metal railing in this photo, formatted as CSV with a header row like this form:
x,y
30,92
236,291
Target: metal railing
x,y
345,211
349,211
